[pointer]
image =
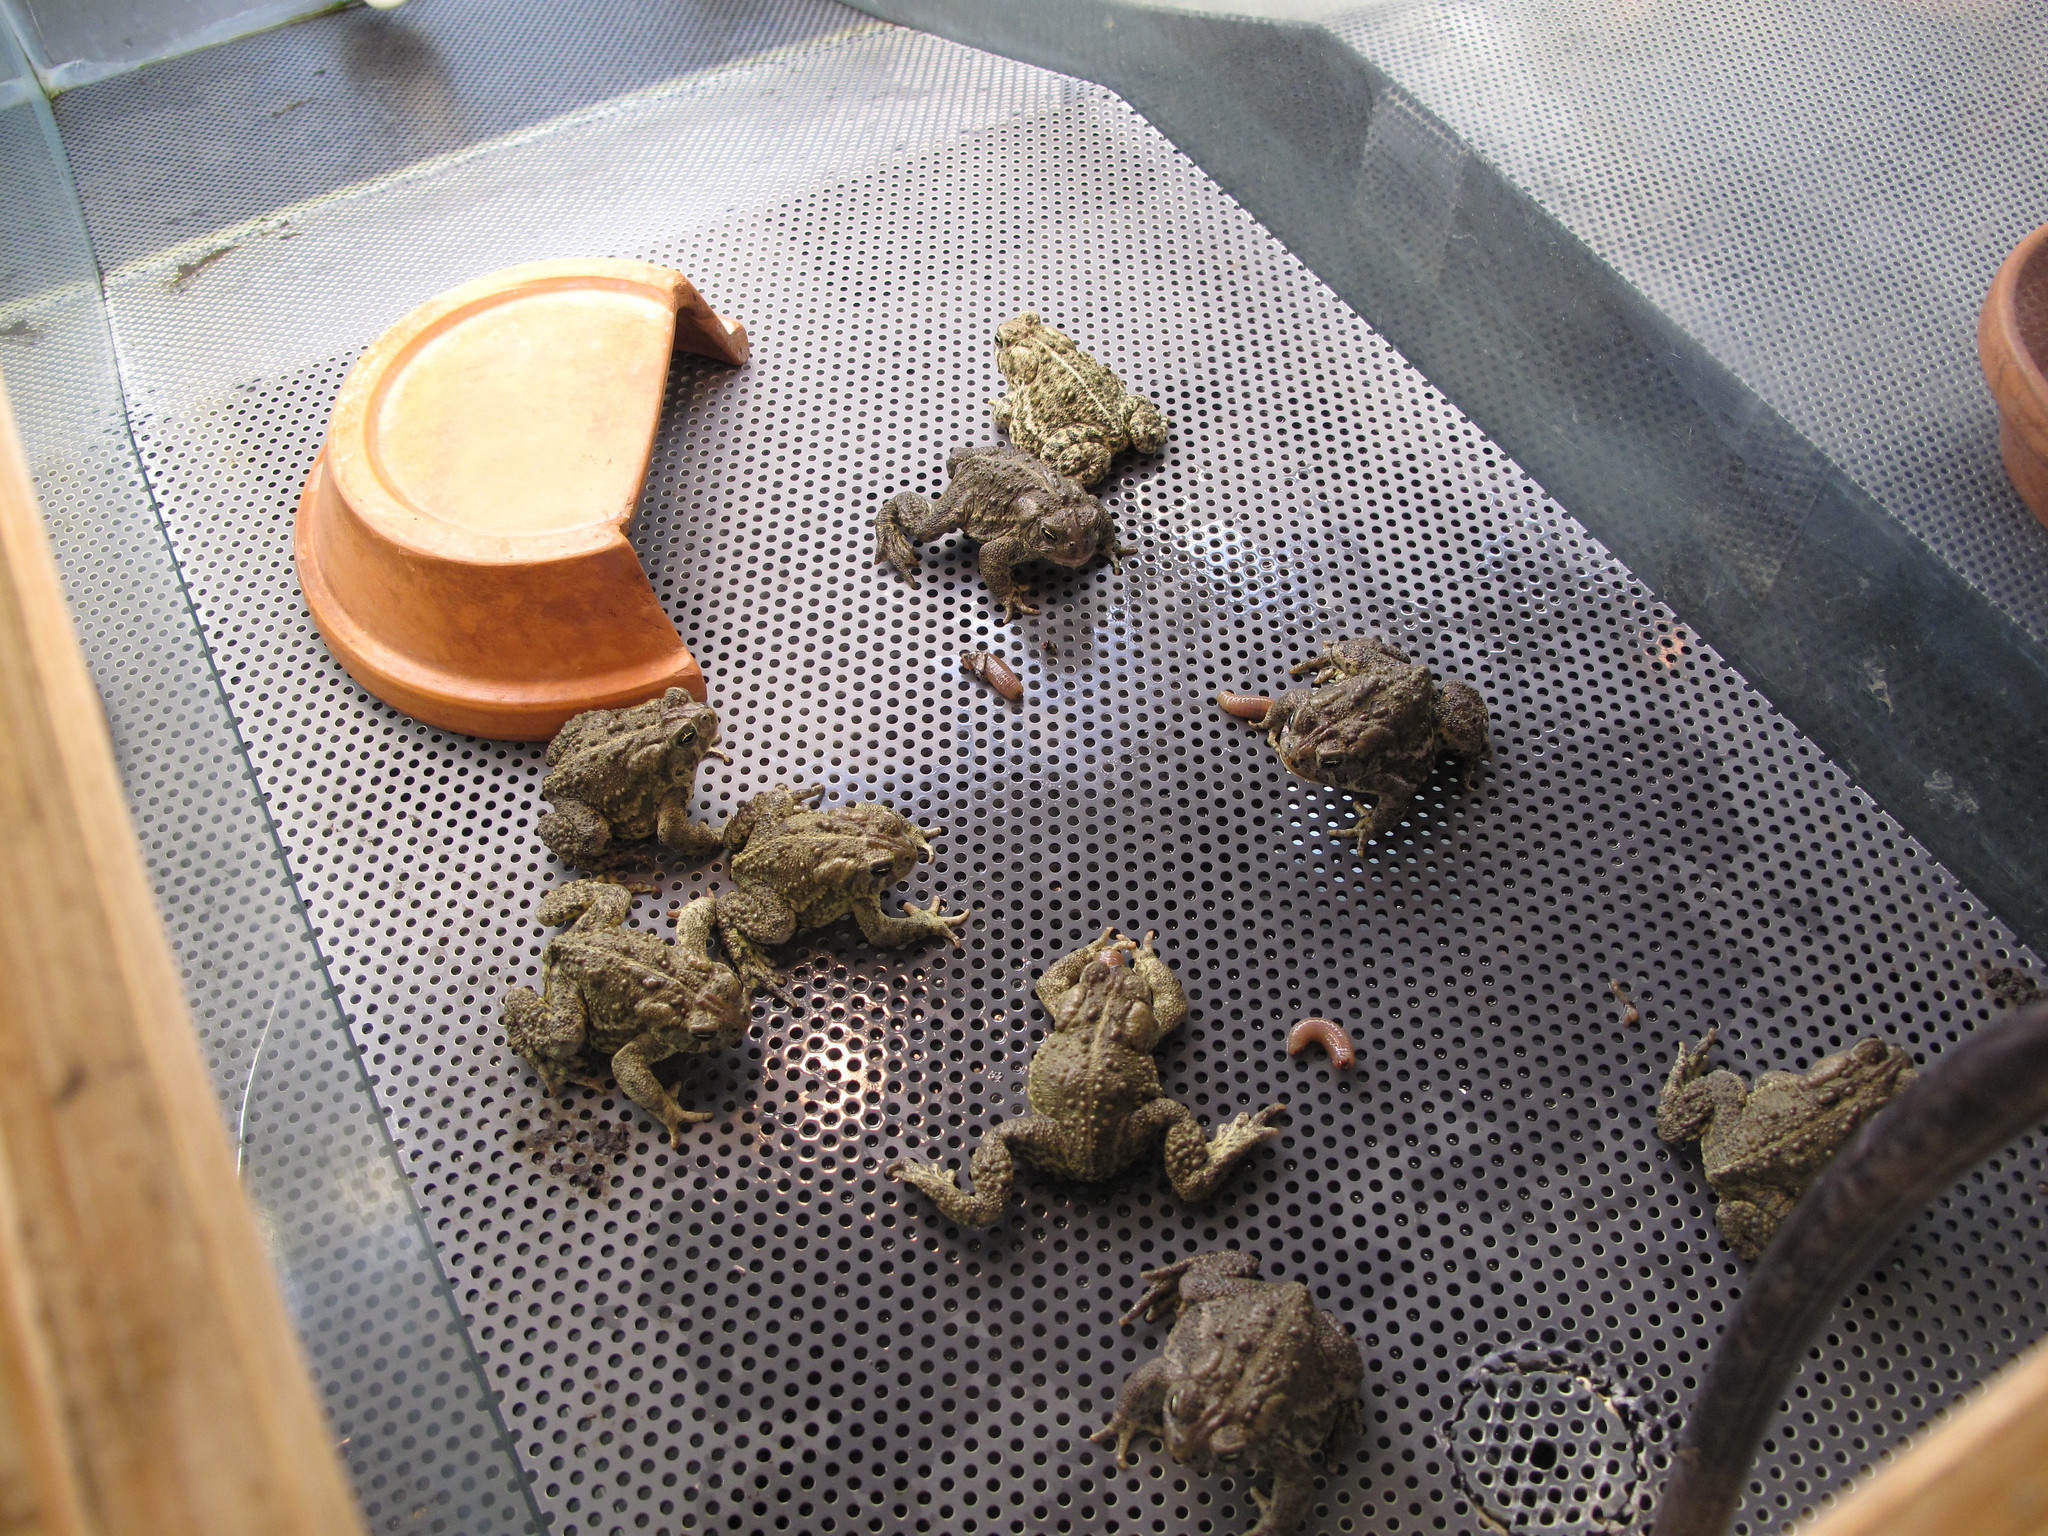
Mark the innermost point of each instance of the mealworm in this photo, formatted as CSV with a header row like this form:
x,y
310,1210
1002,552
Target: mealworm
x,y
1621,995
996,672
1246,706
1327,1033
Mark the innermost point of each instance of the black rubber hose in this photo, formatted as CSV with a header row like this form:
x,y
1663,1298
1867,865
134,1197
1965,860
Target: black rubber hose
x,y
1956,1113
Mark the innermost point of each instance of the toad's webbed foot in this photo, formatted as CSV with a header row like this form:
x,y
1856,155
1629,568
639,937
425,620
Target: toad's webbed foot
x,y
1016,603
914,926
1197,1167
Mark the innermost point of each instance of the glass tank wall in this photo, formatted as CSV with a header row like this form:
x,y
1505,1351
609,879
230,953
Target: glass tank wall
x,y
417,1424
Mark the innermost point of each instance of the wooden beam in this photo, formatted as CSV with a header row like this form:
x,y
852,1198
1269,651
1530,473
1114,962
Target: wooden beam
x,y
151,1374
1983,1469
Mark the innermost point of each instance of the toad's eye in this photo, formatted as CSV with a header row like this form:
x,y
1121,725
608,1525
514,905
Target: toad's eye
x,y
1177,1400
882,871
1050,529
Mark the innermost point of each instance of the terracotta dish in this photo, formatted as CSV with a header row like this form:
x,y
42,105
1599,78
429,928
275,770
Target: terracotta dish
x,y
462,537
2012,342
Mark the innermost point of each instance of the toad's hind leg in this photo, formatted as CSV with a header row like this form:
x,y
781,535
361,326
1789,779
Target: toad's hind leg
x,y
1749,1225
1197,1164
1078,452
576,834
992,1168
633,1070
905,521
748,921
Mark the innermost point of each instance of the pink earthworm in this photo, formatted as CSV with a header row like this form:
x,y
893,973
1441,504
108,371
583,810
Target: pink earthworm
x,y
1246,706
1327,1033
994,671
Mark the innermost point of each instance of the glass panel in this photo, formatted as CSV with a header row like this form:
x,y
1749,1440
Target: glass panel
x,y
416,1421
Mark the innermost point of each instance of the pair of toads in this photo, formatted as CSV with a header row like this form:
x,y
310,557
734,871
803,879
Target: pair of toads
x,y
615,1000
1067,417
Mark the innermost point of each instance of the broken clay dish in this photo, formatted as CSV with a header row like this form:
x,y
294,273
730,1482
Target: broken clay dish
x,y
461,540
2012,344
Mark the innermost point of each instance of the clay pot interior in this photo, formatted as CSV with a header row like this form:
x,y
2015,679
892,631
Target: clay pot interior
x,y
461,541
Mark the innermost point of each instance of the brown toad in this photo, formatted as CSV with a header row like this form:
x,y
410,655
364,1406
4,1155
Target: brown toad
x,y
622,776
1014,507
1371,722
1761,1147
1093,1087
616,998
1253,1375
1066,407
796,867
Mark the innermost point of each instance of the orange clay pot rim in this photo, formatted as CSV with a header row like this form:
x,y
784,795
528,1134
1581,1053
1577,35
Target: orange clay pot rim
x,y
351,446
2004,304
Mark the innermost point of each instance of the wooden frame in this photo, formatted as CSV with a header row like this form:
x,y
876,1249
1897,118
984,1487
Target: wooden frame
x,y
150,1378
1982,1470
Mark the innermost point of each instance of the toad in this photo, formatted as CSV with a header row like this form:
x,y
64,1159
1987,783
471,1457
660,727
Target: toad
x,y
614,1000
796,868
618,777
1093,1088
1761,1147
1064,406
1372,722
1015,508
1253,1376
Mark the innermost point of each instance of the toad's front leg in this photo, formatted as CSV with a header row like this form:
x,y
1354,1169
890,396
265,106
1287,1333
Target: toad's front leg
x,y
1138,1407
999,558
681,836
1391,801
1293,1495
915,925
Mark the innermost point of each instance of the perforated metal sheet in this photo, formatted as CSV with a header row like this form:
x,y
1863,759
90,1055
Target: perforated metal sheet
x,y
1820,195
759,1333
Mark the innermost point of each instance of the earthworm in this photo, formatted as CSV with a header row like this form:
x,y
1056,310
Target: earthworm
x,y
1327,1033
1621,996
996,672
1957,1112
1246,706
